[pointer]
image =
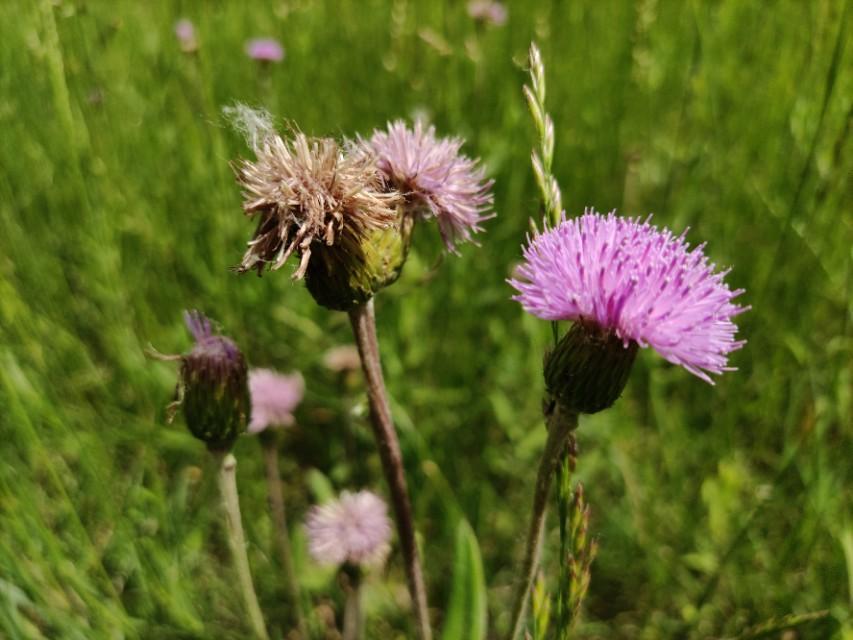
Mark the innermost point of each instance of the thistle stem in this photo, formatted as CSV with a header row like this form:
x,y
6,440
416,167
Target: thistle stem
x,y
363,322
237,540
282,537
353,618
560,427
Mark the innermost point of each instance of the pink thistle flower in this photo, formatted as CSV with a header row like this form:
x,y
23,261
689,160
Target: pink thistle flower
x,y
634,281
437,181
265,50
274,398
486,11
185,33
354,529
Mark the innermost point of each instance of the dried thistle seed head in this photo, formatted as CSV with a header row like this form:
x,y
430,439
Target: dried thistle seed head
x,y
309,196
214,386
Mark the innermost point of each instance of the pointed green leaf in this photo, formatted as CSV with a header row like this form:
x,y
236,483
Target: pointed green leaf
x,y
466,611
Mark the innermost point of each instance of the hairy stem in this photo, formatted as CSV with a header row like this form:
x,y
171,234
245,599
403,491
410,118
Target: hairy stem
x,y
560,427
364,329
237,540
282,537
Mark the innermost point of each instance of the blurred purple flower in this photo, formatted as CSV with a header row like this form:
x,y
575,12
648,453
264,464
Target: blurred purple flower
x,y
354,529
493,13
185,33
274,398
437,181
207,342
265,50
642,284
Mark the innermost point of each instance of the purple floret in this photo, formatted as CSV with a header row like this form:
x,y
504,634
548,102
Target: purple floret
x,y
265,50
436,179
199,325
207,341
642,283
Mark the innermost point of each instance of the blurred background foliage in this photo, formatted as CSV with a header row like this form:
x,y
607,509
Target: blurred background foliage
x,y
717,507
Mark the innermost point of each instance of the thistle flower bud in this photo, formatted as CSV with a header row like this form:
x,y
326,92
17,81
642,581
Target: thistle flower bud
x,y
588,369
214,386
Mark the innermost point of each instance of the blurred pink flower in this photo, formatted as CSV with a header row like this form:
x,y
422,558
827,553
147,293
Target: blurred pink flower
x,y
354,529
185,33
493,13
265,50
274,398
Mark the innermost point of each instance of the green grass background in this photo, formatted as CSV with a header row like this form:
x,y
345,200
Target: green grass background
x,y
717,508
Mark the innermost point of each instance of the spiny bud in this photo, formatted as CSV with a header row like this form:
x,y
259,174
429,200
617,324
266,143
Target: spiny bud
x,y
214,387
588,369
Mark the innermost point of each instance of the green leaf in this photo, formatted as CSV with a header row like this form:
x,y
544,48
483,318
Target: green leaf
x,y
466,611
320,486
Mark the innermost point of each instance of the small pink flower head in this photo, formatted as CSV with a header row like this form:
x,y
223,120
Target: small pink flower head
x,y
487,11
629,279
274,398
265,50
185,33
354,529
437,181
